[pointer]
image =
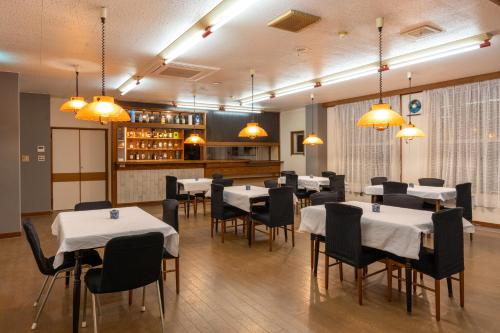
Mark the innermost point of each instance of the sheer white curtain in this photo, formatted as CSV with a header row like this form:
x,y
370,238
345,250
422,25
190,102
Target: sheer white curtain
x,y
464,130
362,153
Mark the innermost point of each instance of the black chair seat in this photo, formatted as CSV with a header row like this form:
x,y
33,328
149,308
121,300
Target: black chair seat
x,y
231,212
262,217
261,209
93,280
367,257
167,255
89,258
425,262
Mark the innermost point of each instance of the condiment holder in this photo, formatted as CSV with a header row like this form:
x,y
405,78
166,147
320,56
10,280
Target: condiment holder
x,y
376,208
114,214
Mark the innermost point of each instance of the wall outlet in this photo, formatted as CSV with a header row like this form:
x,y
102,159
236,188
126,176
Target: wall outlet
x,y
41,158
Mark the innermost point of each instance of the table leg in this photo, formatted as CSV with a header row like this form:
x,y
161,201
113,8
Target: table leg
x,y
316,256
373,198
76,292
408,279
438,205
160,285
249,229
188,202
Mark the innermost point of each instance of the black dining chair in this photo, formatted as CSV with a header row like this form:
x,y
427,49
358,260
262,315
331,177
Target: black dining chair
x,y
378,180
287,172
446,258
90,258
270,183
217,176
403,201
319,198
327,174
395,187
302,195
338,186
331,180
130,262
279,215
223,181
464,200
436,182
343,243
223,212
93,205
171,217
172,192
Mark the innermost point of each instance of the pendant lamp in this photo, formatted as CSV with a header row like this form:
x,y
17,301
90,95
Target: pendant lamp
x,y
312,139
103,108
194,138
252,130
75,103
410,131
381,116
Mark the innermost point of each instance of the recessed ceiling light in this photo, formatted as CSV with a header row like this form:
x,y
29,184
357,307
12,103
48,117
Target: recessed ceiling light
x,y
342,34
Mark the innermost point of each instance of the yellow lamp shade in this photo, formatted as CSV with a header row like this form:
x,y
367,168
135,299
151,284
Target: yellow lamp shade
x,y
380,117
194,139
103,109
312,139
252,131
410,132
74,104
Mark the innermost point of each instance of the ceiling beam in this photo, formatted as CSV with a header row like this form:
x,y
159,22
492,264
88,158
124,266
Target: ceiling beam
x,y
416,89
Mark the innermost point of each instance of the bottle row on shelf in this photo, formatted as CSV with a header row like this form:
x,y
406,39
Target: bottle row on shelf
x,y
170,144
153,134
174,155
165,118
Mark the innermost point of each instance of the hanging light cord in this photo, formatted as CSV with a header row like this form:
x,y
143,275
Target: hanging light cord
x,y
380,63
77,73
312,110
253,116
194,109
409,104
103,64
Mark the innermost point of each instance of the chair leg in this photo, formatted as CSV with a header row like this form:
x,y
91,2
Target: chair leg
x,y
450,287
327,270
212,227
471,236
388,266
271,239
316,256
252,225
286,234
177,275
44,300
94,315
143,307
204,206
235,226
41,290
84,316
164,264
360,286
437,295
312,254
216,225
341,272
414,282
399,279
293,235
223,231
462,289
160,305
66,279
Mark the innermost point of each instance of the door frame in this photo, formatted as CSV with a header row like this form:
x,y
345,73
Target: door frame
x,y
106,152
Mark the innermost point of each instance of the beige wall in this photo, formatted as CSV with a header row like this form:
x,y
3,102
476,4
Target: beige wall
x,y
293,120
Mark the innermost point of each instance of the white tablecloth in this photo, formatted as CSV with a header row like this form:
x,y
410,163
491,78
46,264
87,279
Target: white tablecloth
x,y
94,228
193,185
309,183
426,192
395,230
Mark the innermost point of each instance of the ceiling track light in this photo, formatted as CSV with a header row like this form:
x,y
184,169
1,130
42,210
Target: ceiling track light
x,y
456,47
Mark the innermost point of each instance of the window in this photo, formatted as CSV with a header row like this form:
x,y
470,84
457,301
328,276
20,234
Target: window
x,y
297,137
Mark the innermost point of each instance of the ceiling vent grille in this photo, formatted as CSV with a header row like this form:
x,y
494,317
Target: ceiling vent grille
x,y
293,21
421,32
184,71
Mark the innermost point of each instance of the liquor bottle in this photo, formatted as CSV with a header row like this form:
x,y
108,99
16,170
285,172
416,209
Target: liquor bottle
x,y
141,117
177,119
183,119
143,145
170,146
163,119
190,119
197,119
132,115
176,135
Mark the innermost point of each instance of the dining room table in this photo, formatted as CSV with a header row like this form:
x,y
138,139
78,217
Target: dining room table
x,y
308,182
394,230
192,186
434,193
92,229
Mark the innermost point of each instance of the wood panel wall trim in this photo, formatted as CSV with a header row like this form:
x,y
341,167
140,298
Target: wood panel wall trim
x,y
10,234
76,177
486,224
48,212
417,89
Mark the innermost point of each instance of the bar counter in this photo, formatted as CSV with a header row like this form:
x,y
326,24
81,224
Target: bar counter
x,y
144,181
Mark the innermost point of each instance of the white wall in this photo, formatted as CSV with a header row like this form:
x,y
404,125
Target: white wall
x,y
292,120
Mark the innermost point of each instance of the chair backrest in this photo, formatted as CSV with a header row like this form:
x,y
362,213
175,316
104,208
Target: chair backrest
x,y
327,174
223,181
270,183
171,187
93,205
338,186
217,176
464,199
395,187
131,262
448,242
378,180
292,180
320,198
403,201
281,206
289,172
343,232
32,236
436,182
217,201
171,213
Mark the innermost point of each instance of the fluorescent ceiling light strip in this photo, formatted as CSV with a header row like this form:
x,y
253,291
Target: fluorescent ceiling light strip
x,y
434,56
339,79
256,99
228,11
128,85
294,89
229,109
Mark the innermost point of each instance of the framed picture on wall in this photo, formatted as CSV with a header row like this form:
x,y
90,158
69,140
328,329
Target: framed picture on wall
x,y
296,139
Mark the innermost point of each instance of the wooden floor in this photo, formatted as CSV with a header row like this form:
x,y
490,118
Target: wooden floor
x,y
232,288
